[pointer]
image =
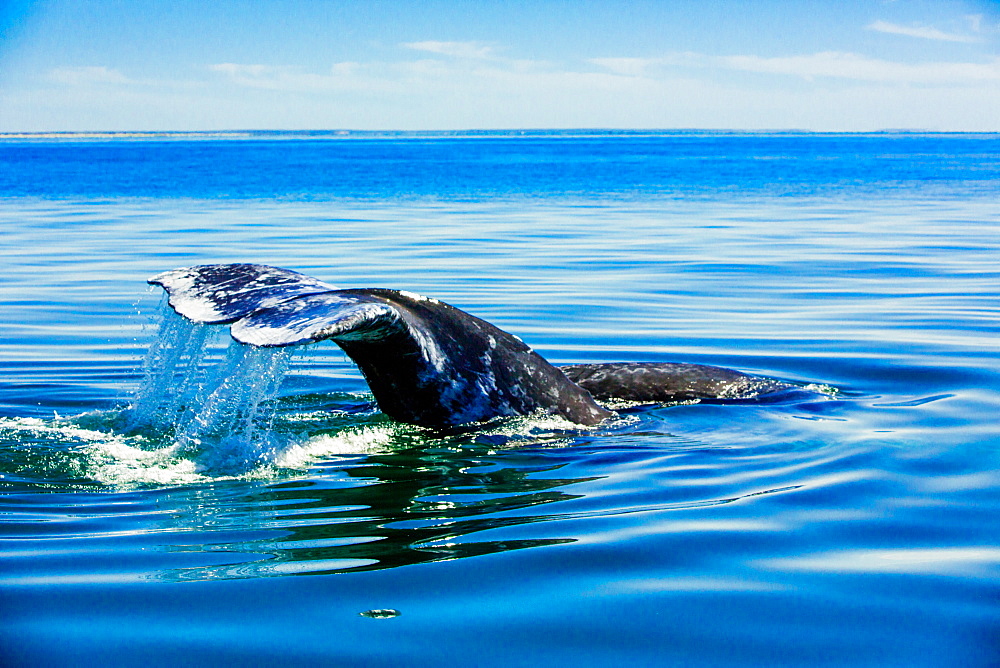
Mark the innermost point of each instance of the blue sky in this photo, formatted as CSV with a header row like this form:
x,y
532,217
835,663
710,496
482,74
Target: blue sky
x,y
115,65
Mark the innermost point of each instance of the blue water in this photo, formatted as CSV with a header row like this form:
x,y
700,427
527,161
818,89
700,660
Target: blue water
x,y
852,523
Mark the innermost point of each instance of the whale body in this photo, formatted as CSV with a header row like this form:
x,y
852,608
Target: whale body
x,y
427,362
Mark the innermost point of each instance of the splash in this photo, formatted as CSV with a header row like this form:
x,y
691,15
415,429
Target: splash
x,y
64,452
233,426
74,453
206,411
173,372
215,403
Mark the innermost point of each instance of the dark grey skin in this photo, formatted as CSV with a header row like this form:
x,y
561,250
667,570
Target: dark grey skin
x,y
668,382
428,363
485,372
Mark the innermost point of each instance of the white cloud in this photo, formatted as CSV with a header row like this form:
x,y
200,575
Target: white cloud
x,y
238,70
255,76
629,67
826,64
342,76
925,32
480,90
855,67
470,50
86,76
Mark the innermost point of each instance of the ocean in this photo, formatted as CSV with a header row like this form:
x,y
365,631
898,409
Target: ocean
x,y
851,522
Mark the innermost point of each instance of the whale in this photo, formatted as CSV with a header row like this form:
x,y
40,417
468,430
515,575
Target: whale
x,y
426,362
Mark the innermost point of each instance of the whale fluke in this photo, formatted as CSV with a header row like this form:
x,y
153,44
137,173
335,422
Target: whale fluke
x,y
426,362
219,293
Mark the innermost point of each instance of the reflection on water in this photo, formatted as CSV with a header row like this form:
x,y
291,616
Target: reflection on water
x,y
405,507
378,494
389,511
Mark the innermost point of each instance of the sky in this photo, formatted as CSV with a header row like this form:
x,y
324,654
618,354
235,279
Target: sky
x,y
192,65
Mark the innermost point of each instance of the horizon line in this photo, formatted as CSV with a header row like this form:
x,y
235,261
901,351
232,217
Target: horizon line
x,y
346,132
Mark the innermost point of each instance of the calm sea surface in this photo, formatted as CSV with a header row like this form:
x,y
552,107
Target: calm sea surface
x,y
856,522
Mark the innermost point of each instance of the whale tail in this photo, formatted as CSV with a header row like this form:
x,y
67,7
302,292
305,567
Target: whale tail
x,y
426,362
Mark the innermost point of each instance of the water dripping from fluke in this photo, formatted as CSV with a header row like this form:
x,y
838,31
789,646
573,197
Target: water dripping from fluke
x,y
215,402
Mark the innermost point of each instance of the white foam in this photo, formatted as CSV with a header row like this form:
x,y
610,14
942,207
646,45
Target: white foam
x,y
116,462
129,461
822,388
360,441
124,461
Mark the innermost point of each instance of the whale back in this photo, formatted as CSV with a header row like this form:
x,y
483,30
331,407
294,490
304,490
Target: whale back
x,y
669,382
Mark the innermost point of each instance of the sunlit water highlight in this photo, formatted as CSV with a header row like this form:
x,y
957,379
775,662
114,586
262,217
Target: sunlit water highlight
x,y
200,511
